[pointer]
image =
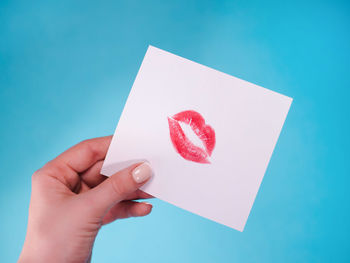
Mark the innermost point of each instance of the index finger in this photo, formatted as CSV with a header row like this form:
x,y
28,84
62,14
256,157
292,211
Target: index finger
x,y
85,154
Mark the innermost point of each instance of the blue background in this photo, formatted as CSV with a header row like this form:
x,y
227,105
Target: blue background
x,y
66,68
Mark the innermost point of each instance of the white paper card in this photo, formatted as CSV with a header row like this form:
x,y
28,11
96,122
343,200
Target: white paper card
x,y
208,136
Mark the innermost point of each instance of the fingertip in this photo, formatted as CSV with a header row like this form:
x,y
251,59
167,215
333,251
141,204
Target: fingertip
x,y
147,208
142,209
142,173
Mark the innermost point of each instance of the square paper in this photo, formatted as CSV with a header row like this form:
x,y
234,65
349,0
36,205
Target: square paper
x,y
208,136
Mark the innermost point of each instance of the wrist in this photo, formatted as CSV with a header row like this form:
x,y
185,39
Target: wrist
x,y
37,249
52,249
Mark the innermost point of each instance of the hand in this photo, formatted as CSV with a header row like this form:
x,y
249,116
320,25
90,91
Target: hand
x,y
71,200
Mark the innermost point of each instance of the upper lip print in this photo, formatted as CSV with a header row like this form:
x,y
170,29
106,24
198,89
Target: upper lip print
x,y
183,145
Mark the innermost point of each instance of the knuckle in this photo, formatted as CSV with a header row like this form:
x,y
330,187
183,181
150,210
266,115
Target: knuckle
x,y
88,147
37,175
49,169
119,187
61,172
84,143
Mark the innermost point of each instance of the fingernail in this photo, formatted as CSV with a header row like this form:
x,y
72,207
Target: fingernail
x,y
142,173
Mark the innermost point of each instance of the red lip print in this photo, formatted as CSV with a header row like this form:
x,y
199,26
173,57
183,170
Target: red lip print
x,y
183,145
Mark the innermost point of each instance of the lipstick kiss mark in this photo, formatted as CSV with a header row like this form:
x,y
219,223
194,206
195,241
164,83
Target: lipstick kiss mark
x,y
183,145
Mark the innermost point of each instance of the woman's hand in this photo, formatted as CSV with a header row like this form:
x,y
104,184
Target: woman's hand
x,y
71,200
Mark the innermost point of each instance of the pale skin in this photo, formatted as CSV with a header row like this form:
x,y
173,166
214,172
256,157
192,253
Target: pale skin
x,y
71,201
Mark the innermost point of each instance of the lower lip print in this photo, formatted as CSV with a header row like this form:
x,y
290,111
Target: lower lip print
x,y
183,145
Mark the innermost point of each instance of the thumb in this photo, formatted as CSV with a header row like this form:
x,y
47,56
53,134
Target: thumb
x,y
117,187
